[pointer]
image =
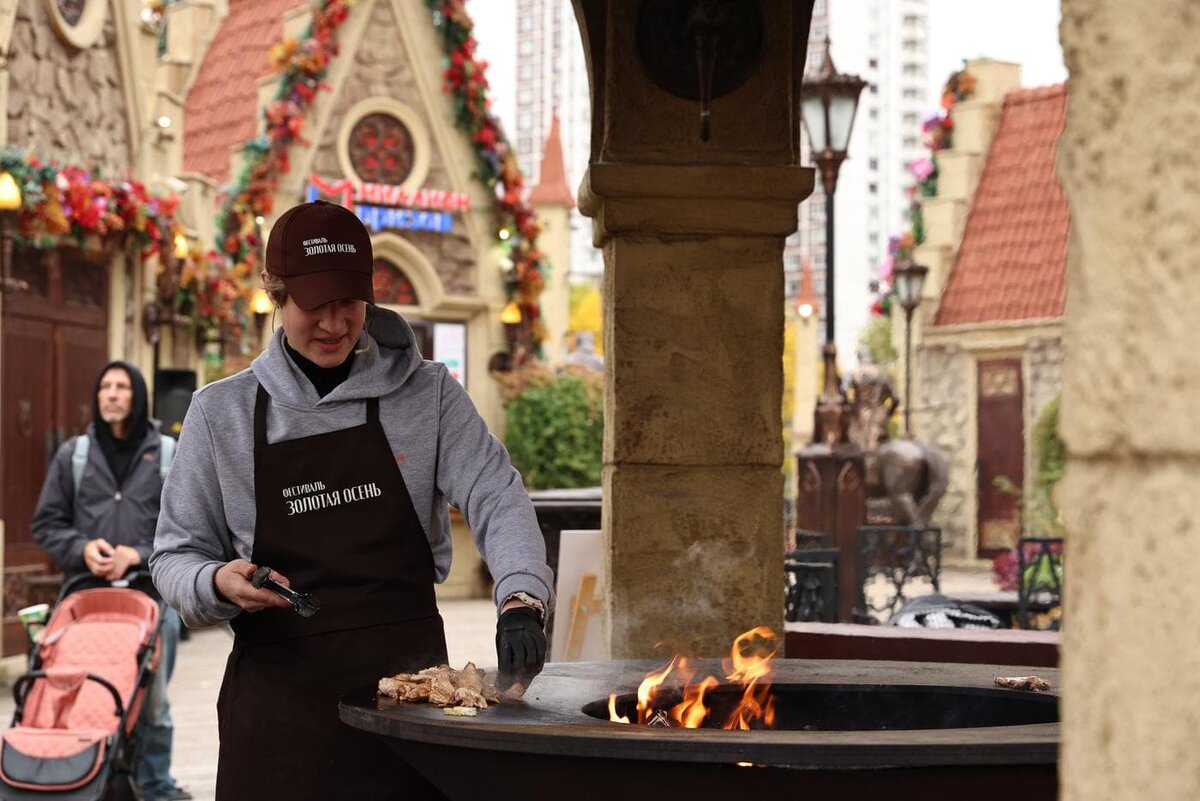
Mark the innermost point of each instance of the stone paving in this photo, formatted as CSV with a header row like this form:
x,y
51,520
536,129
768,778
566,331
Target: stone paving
x,y
470,633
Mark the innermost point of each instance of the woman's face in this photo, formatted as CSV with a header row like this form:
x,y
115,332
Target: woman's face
x,y
326,334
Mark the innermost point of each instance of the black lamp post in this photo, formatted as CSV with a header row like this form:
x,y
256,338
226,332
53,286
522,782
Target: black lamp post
x,y
828,106
909,279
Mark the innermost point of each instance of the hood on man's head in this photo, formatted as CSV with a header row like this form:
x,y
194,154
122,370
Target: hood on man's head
x,y
139,411
322,251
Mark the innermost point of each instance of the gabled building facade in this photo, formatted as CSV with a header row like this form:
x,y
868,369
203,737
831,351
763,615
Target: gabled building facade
x,y
990,351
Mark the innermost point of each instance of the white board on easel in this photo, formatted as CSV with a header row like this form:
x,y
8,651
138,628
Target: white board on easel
x,y
579,619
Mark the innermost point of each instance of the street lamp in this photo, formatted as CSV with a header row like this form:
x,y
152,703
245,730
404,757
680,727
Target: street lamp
x,y
828,105
909,279
10,205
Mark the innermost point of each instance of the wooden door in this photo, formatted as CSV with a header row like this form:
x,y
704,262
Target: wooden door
x,y
1001,454
55,339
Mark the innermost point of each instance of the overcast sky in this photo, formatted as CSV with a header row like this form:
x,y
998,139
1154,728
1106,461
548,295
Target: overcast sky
x,y
1024,31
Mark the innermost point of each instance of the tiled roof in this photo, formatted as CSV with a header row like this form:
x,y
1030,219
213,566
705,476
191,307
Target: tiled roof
x,y
1012,261
222,111
552,186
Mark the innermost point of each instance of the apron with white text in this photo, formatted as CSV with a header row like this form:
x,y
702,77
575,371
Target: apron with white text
x,y
335,517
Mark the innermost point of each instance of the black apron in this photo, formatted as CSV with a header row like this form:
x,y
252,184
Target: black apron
x,y
335,517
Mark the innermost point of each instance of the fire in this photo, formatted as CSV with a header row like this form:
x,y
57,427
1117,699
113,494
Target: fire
x,y
749,665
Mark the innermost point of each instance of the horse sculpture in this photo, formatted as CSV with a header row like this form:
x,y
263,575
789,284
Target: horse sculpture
x,y
912,475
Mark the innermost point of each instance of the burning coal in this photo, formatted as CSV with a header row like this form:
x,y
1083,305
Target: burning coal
x,y
748,667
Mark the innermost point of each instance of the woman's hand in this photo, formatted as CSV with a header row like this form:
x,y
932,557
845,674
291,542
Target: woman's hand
x,y
232,581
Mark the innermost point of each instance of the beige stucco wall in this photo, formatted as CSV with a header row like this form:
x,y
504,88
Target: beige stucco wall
x,y
1129,165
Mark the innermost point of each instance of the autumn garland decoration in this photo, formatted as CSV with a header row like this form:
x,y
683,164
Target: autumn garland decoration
x,y
937,134
302,65
516,224
70,203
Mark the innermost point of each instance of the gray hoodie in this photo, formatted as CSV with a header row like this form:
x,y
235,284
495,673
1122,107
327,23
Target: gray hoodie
x,y
442,446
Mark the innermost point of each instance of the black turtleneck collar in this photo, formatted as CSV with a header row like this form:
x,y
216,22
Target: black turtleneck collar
x,y
324,379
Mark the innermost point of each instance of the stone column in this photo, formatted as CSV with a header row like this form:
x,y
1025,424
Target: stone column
x,y
692,232
1129,161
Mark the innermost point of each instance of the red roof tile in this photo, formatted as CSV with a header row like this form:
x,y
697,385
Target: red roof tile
x,y
1012,261
222,111
552,186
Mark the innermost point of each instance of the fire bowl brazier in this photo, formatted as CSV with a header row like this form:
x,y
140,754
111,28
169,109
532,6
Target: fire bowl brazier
x,y
907,729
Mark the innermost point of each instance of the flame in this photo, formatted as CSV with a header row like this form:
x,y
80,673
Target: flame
x,y
646,689
612,710
749,665
692,711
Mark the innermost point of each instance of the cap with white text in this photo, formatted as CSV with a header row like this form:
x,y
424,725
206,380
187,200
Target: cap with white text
x,y
322,251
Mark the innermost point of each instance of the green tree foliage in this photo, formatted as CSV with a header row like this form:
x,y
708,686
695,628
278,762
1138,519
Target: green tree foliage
x,y
876,336
556,427
1040,515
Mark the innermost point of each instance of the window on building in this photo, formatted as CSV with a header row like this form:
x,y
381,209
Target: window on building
x,y
911,141
819,8
525,23
873,113
381,149
392,285
873,89
526,48
873,164
910,118
873,188
525,97
814,59
873,63
525,72
818,33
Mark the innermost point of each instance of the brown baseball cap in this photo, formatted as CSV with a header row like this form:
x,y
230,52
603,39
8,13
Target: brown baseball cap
x,y
322,251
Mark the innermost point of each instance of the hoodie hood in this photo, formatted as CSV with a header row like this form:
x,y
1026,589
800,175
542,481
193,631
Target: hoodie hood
x,y
386,356
119,453
139,413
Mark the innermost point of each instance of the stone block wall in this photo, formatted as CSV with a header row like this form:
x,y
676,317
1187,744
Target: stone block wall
x,y
943,417
1044,361
67,105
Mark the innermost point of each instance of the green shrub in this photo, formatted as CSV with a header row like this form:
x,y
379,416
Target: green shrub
x,y
556,429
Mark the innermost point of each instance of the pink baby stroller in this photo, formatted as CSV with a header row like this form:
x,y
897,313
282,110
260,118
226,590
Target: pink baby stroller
x,y
72,735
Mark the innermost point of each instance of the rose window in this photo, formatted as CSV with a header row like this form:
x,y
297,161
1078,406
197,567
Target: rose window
x,y
381,149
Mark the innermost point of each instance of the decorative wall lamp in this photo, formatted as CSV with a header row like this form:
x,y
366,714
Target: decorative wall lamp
x,y
699,50
163,310
511,317
910,282
10,207
260,307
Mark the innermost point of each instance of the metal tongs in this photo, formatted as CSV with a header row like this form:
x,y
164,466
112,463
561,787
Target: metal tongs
x,y
305,605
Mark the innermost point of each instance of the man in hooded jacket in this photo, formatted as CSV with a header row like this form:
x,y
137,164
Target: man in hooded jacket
x,y
105,528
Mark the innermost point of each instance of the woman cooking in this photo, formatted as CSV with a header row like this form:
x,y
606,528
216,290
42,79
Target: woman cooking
x,y
330,461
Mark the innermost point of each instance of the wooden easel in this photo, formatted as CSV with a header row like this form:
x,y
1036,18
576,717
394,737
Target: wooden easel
x,y
583,605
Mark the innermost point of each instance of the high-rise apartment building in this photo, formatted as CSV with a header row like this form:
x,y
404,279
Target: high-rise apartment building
x,y
886,43
552,79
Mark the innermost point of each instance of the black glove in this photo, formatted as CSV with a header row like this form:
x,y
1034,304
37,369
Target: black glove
x,y
520,647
